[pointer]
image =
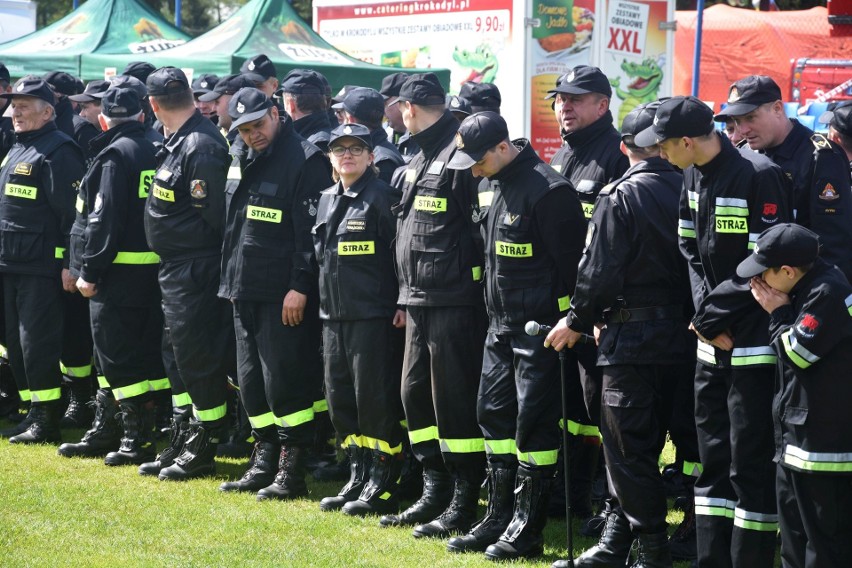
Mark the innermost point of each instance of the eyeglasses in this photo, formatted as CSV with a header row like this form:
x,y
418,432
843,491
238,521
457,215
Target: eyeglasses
x,y
339,151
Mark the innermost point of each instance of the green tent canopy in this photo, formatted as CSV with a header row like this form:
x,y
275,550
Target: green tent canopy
x,y
261,26
98,26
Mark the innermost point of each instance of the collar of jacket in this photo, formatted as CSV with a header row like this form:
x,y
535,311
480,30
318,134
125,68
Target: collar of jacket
x,y
63,106
717,164
104,139
787,148
242,151
312,123
652,164
30,135
586,135
526,159
188,127
433,139
355,188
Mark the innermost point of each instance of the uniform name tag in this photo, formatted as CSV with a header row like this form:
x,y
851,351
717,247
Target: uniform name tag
x,y
516,250
431,204
79,204
163,193
234,172
350,248
588,208
25,191
356,225
731,225
23,168
263,214
145,179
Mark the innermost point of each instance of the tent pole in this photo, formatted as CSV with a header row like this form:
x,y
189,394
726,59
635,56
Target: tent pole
x,y
696,61
178,19
75,4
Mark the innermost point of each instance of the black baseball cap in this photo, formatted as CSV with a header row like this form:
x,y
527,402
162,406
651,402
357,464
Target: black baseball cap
x,y
457,104
364,104
481,96
303,82
4,74
258,68
392,83
61,82
639,119
749,93
204,83
166,81
247,105
126,82
422,89
227,85
581,80
477,134
31,86
342,93
786,244
139,69
358,131
675,118
120,103
92,89
839,117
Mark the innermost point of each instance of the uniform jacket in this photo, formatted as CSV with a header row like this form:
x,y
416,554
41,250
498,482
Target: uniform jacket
x,y
407,146
272,199
7,135
39,176
813,339
632,261
590,159
315,128
386,157
533,239
353,241
184,214
75,126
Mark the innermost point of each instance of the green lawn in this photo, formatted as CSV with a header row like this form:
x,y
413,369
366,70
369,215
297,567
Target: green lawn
x,y
79,512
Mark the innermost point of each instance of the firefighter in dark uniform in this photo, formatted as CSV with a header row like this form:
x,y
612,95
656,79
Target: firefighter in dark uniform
x,y
398,135
221,95
140,70
366,106
481,96
67,119
362,326
839,121
439,268
810,307
39,177
633,283
533,235
818,168
118,273
273,189
184,224
303,95
729,196
261,70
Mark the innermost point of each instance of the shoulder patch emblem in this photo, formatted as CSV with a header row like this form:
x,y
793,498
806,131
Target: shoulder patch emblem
x,y
23,168
820,142
198,189
828,193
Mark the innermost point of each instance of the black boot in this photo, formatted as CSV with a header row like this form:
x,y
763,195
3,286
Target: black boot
x,y
360,460
653,551
683,544
523,537
337,471
178,434
78,414
411,477
10,400
437,493
262,466
381,492
199,452
137,443
44,426
289,483
23,422
613,548
459,515
501,483
240,442
103,437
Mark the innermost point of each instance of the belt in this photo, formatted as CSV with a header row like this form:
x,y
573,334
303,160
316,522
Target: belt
x,y
623,315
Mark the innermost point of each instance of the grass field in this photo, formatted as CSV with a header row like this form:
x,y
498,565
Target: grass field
x,y
79,512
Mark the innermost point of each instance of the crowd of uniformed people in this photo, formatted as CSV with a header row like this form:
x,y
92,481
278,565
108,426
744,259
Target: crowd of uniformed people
x,y
236,265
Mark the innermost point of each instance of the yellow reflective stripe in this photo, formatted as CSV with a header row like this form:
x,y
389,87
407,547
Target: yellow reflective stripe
x,y
588,209
564,303
137,258
3,353
462,445
742,356
321,405
296,418
485,198
163,194
423,435
477,275
103,382
46,395
714,507
262,420
794,357
430,204
514,250
130,391
706,353
692,196
182,399
834,462
731,211
59,252
404,424
752,521
156,385
501,447
848,302
692,469
545,457
211,414
25,191
351,440
25,395
581,429
351,248
82,371
145,179
731,225
79,205
686,233
380,445
265,214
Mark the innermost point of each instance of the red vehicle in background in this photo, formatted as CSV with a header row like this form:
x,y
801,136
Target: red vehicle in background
x,y
821,80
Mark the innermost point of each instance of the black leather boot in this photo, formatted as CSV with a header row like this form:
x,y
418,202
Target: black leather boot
x,y
359,460
437,493
459,515
199,452
137,443
613,548
103,437
44,427
411,477
523,537
381,492
78,413
263,464
501,485
23,422
653,551
241,441
289,483
178,434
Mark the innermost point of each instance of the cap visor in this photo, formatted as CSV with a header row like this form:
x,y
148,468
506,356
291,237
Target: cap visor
x,y
735,109
367,143
750,267
209,96
82,98
462,160
338,106
249,117
646,138
199,92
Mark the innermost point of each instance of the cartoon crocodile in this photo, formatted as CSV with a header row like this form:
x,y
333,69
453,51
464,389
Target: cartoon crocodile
x,y
481,61
646,76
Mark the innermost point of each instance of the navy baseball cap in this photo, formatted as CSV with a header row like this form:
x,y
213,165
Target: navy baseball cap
x,y
4,74
227,85
357,131
392,83
477,134
422,89
258,68
364,104
639,119
839,117
481,96
61,82
786,244
457,104
120,103
677,117
749,93
581,80
303,82
126,82
204,84
342,93
247,105
31,86
166,81
139,69
89,94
